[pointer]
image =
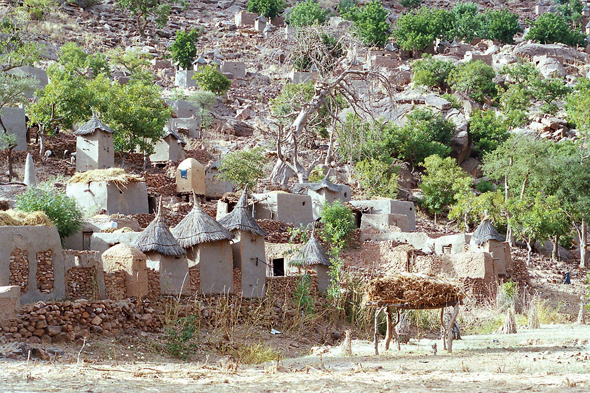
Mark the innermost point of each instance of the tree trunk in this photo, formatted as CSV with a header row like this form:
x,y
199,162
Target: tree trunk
x,y
555,252
330,147
10,171
281,173
145,161
529,252
583,241
41,144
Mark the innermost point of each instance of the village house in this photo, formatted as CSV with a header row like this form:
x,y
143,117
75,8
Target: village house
x,y
94,146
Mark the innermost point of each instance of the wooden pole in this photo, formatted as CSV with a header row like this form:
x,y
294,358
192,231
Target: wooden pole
x,y
389,328
450,328
443,328
376,332
395,335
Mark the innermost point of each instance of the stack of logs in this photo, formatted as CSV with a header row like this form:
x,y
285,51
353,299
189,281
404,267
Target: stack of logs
x,y
45,275
66,321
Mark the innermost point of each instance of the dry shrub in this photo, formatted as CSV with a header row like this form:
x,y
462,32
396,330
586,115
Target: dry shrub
x,y
414,290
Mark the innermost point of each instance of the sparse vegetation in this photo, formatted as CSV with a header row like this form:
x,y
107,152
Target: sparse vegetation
x,y
307,13
184,50
243,168
209,79
370,23
550,28
268,8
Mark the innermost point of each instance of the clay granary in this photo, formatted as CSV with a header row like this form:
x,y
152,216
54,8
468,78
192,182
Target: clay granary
x,y
209,252
313,257
94,146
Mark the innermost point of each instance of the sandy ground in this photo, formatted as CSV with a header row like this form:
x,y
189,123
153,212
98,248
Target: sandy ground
x,y
553,358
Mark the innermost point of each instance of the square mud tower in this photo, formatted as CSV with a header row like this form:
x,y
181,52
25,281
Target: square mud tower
x,y
236,68
325,192
113,190
94,146
248,248
169,148
245,19
389,206
133,262
190,177
281,206
216,187
16,124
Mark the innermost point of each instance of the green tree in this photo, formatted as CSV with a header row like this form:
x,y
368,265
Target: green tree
x,y
243,168
515,102
370,24
61,210
377,178
268,8
500,25
468,21
184,50
432,72
442,181
488,130
307,13
209,79
13,91
410,3
550,28
474,78
145,10
416,30
577,106
470,208
338,223
17,46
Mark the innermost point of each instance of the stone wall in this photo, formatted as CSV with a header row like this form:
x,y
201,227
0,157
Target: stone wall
x,y
284,287
45,273
55,322
115,286
153,283
195,278
19,269
81,283
237,281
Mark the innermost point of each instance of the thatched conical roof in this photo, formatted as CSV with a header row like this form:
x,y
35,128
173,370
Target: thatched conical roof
x,y
313,253
324,184
198,227
93,125
240,219
485,232
158,238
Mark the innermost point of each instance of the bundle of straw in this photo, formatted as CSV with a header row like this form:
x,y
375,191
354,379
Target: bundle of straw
x,y
16,218
413,290
116,176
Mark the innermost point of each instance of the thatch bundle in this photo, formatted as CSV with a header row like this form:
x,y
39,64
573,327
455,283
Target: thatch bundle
x,y
413,290
117,176
16,218
240,219
198,227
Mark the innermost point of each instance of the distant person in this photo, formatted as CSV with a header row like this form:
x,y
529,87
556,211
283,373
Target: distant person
x,y
566,279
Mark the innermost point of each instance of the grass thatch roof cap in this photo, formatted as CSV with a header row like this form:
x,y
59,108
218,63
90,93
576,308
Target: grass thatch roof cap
x,y
313,253
169,131
198,227
240,219
486,232
158,238
117,176
93,125
324,184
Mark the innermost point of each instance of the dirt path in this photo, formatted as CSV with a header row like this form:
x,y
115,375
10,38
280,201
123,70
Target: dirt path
x,y
553,358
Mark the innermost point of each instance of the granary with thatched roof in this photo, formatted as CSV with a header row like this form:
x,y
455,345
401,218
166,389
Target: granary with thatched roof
x,y
313,257
248,248
487,238
123,257
209,250
164,255
112,190
94,146
169,148
325,192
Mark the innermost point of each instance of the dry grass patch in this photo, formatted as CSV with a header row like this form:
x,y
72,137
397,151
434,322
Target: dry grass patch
x,y
116,176
16,218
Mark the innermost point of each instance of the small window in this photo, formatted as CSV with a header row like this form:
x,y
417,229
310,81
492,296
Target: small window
x,y
278,267
447,249
303,204
86,239
345,195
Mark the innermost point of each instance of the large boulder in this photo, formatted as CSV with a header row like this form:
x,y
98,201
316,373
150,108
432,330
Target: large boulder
x,y
461,141
563,53
549,67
